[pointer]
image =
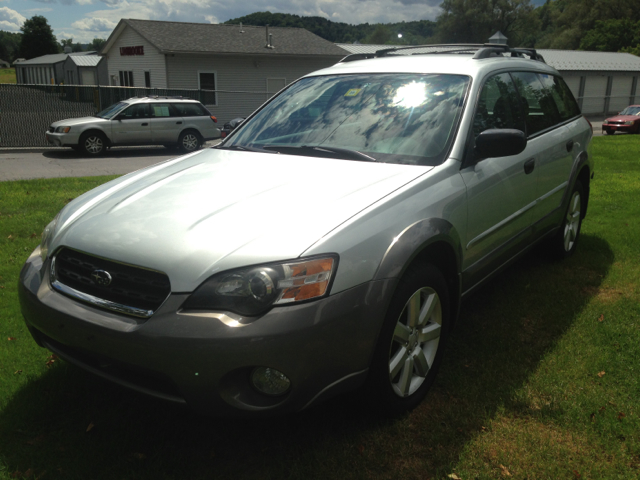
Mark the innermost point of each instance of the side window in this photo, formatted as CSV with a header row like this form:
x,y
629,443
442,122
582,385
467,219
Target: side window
x,y
191,110
561,96
542,110
136,111
159,110
498,106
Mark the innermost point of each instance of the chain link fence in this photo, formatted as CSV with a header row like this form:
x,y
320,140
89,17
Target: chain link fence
x,y
26,111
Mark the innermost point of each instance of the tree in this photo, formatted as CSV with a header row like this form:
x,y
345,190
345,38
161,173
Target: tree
x,y
97,44
37,38
611,35
474,21
380,36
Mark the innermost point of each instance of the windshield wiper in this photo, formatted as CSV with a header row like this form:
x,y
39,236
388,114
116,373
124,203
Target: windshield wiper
x,y
321,151
243,147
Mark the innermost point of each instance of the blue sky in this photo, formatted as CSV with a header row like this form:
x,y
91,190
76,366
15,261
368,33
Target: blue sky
x,y
84,20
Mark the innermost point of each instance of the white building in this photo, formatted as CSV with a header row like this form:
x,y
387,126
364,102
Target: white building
x,y
241,66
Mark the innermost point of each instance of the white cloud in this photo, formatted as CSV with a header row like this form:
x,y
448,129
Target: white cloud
x,y
10,20
38,10
95,24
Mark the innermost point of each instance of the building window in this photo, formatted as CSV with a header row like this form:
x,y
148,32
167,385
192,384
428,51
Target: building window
x,y
207,85
147,79
126,78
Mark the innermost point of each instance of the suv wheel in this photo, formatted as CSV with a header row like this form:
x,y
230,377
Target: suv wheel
x,y
93,143
566,240
189,141
411,341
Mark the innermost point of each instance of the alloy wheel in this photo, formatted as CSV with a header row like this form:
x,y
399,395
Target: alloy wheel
x,y
572,222
415,341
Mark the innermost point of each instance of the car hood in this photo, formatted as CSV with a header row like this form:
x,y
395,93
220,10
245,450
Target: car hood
x,y
70,122
216,209
623,118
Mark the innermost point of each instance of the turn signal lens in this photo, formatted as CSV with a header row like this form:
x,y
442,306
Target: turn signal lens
x,y
215,120
305,280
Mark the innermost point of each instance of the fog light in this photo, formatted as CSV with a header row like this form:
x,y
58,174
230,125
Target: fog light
x,y
270,381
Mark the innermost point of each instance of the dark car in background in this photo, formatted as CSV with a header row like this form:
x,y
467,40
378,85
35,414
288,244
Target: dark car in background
x,y
628,120
230,126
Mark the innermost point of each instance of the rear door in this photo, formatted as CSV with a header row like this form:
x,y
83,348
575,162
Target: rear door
x,y
132,126
550,107
166,123
197,117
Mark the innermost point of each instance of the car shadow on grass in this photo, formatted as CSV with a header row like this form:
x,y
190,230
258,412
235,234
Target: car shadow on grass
x,y
69,424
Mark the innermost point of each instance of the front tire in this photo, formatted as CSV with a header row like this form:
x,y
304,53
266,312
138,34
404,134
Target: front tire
x,y
93,143
411,342
189,141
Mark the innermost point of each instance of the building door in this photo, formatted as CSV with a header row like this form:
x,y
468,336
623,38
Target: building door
x,y
595,91
620,93
88,77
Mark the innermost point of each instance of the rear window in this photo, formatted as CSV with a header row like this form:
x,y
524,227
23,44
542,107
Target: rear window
x,y
542,112
191,110
561,95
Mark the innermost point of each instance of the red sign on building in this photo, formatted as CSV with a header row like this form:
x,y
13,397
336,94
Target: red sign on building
x,y
128,51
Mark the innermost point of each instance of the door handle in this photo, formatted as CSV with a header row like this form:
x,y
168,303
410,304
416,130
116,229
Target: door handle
x,y
178,123
569,145
145,124
529,165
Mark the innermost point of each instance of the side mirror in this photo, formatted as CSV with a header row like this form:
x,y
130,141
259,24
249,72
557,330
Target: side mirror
x,y
500,143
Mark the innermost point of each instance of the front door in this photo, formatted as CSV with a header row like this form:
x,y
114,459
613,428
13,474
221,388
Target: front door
x,y
500,191
132,126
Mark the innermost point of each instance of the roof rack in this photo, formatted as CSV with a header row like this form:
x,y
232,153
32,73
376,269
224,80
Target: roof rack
x,y
482,50
177,97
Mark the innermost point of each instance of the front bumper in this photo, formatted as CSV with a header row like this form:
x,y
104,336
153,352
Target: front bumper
x,y
62,139
617,127
324,347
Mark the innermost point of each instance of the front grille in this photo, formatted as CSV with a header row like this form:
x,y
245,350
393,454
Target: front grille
x,y
130,286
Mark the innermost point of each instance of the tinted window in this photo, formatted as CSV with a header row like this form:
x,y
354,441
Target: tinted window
x,y
498,106
542,110
190,109
136,111
561,95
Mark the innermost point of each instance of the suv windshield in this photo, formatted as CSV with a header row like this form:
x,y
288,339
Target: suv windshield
x,y
394,118
112,110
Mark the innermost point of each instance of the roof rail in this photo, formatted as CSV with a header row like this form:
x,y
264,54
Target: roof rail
x,y
482,50
177,97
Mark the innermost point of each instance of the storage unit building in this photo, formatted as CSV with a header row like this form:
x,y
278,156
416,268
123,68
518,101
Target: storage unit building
x,y
47,69
86,70
239,66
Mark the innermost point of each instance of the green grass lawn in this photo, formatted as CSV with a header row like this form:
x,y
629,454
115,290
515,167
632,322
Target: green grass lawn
x,y
541,379
7,75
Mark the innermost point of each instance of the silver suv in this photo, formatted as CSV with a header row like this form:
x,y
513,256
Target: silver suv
x,y
327,243
169,121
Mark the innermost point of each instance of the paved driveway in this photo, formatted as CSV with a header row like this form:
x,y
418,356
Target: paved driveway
x,y
24,164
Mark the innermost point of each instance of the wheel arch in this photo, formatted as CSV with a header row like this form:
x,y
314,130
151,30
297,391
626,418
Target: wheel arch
x,y
94,130
432,240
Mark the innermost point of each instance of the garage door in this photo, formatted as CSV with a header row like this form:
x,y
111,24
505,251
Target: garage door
x,y
620,93
595,90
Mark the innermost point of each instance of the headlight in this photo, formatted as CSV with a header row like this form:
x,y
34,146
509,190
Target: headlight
x,y
254,290
63,129
47,235
629,122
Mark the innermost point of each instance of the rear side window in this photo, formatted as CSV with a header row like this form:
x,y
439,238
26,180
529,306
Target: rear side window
x,y
159,110
561,95
498,106
542,110
191,110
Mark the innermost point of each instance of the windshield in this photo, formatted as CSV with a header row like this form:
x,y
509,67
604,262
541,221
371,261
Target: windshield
x,y
631,111
393,118
112,110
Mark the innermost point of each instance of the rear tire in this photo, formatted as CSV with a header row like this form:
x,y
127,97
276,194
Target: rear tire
x,y
189,141
93,143
564,243
411,341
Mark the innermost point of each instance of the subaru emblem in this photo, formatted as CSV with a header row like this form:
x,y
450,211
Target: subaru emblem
x,y
101,278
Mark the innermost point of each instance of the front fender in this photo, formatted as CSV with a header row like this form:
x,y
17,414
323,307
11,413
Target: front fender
x,y
413,241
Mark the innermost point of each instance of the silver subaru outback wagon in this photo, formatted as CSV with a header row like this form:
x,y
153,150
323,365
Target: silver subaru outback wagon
x,y
170,121
326,244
